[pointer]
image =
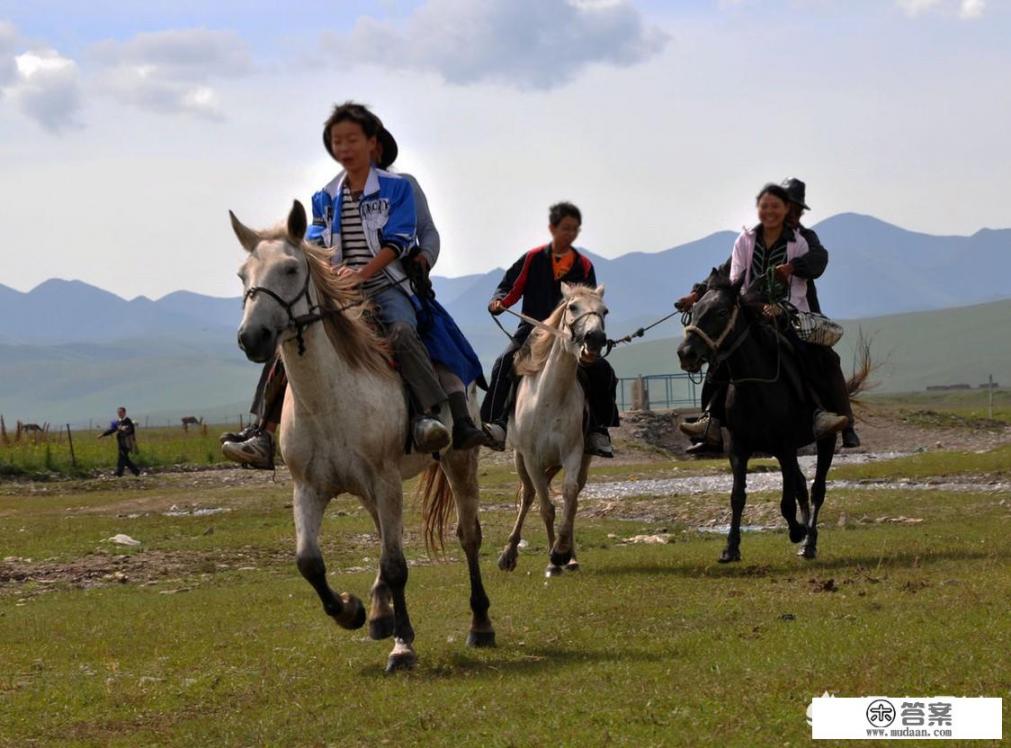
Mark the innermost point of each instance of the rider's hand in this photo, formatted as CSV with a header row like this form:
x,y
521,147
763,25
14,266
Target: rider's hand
x,y
771,311
495,307
783,273
685,303
422,259
350,274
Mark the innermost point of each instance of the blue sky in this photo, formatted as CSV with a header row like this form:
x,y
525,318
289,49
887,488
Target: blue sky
x,y
128,129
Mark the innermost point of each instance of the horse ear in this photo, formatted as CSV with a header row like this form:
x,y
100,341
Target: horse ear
x,y
296,223
247,237
567,290
599,290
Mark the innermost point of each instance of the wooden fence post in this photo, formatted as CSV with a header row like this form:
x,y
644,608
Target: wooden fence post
x,y
73,457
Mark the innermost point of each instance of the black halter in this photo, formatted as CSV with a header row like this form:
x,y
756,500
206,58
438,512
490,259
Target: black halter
x,y
297,322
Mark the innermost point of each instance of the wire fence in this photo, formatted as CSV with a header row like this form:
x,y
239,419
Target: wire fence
x,y
658,392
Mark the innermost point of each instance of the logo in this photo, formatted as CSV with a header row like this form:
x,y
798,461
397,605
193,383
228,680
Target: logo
x,y
880,713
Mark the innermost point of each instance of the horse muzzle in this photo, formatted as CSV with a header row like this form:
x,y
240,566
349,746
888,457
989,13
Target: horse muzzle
x,y
689,357
592,344
259,343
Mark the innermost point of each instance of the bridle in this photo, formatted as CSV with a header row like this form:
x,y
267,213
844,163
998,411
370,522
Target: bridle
x,y
714,345
299,322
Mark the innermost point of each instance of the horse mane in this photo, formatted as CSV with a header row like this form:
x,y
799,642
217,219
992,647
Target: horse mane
x,y
349,330
531,358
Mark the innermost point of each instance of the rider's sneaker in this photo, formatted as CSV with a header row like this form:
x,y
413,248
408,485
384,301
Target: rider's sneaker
x,y
430,434
239,436
827,423
496,436
850,440
466,435
598,444
705,428
255,452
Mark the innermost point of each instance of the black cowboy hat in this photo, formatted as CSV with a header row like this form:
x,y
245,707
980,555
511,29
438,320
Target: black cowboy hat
x,y
795,190
383,136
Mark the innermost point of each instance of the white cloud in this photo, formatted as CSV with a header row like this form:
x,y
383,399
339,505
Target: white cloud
x,y
537,44
172,71
47,88
967,9
972,8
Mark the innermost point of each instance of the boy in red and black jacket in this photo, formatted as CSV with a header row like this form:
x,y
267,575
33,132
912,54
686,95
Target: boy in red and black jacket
x,y
537,278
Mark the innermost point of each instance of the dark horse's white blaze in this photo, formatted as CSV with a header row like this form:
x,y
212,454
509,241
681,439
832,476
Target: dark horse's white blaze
x,y
343,429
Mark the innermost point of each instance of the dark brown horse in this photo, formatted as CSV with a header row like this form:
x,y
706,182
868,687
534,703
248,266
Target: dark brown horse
x,y
767,406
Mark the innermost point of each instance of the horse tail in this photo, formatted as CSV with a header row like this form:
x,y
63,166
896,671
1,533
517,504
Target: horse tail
x,y
436,507
863,367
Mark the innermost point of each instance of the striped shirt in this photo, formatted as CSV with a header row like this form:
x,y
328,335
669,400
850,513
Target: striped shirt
x,y
354,249
763,259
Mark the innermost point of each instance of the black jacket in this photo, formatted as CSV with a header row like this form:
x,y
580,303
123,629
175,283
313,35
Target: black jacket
x,y
125,434
533,278
808,266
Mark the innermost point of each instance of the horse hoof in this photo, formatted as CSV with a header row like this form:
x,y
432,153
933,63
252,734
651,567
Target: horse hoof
x,y
573,565
729,556
553,571
381,628
507,561
481,639
404,660
561,558
797,533
807,552
352,615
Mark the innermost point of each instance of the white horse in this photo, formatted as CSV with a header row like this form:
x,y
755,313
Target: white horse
x,y
344,428
546,428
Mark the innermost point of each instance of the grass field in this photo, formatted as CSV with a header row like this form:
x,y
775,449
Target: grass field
x,y
206,635
50,454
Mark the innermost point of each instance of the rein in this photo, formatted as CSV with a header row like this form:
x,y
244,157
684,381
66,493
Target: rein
x,y
300,322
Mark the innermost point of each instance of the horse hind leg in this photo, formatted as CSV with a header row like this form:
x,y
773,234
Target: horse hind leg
x,y
507,560
826,451
792,476
461,471
308,505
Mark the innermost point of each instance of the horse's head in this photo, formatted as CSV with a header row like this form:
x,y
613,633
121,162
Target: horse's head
x,y
275,280
713,319
584,319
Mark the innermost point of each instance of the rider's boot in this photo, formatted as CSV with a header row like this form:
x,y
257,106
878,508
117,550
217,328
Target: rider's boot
x,y
465,434
255,452
827,423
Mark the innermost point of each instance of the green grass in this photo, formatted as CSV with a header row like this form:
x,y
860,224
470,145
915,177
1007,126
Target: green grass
x,y
648,645
33,456
949,408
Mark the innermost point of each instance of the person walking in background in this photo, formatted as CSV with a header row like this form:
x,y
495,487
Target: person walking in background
x,y
126,440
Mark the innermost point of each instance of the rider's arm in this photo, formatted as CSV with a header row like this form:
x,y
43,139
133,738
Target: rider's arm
x,y
739,258
428,236
812,264
512,283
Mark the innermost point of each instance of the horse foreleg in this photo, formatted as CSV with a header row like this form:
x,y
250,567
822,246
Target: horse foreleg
x,y
542,486
507,561
461,470
381,608
791,473
563,552
308,505
389,499
739,465
802,500
826,451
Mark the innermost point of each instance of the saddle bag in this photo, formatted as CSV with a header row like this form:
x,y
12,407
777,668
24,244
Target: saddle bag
x,y
816,328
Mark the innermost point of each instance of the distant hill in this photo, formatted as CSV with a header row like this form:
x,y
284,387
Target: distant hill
x,y
914,351
70,351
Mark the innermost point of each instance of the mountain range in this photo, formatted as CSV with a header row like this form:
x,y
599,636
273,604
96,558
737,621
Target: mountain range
x,y
67,349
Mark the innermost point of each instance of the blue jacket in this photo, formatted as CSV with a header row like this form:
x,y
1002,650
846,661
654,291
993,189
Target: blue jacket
x,y
388,216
